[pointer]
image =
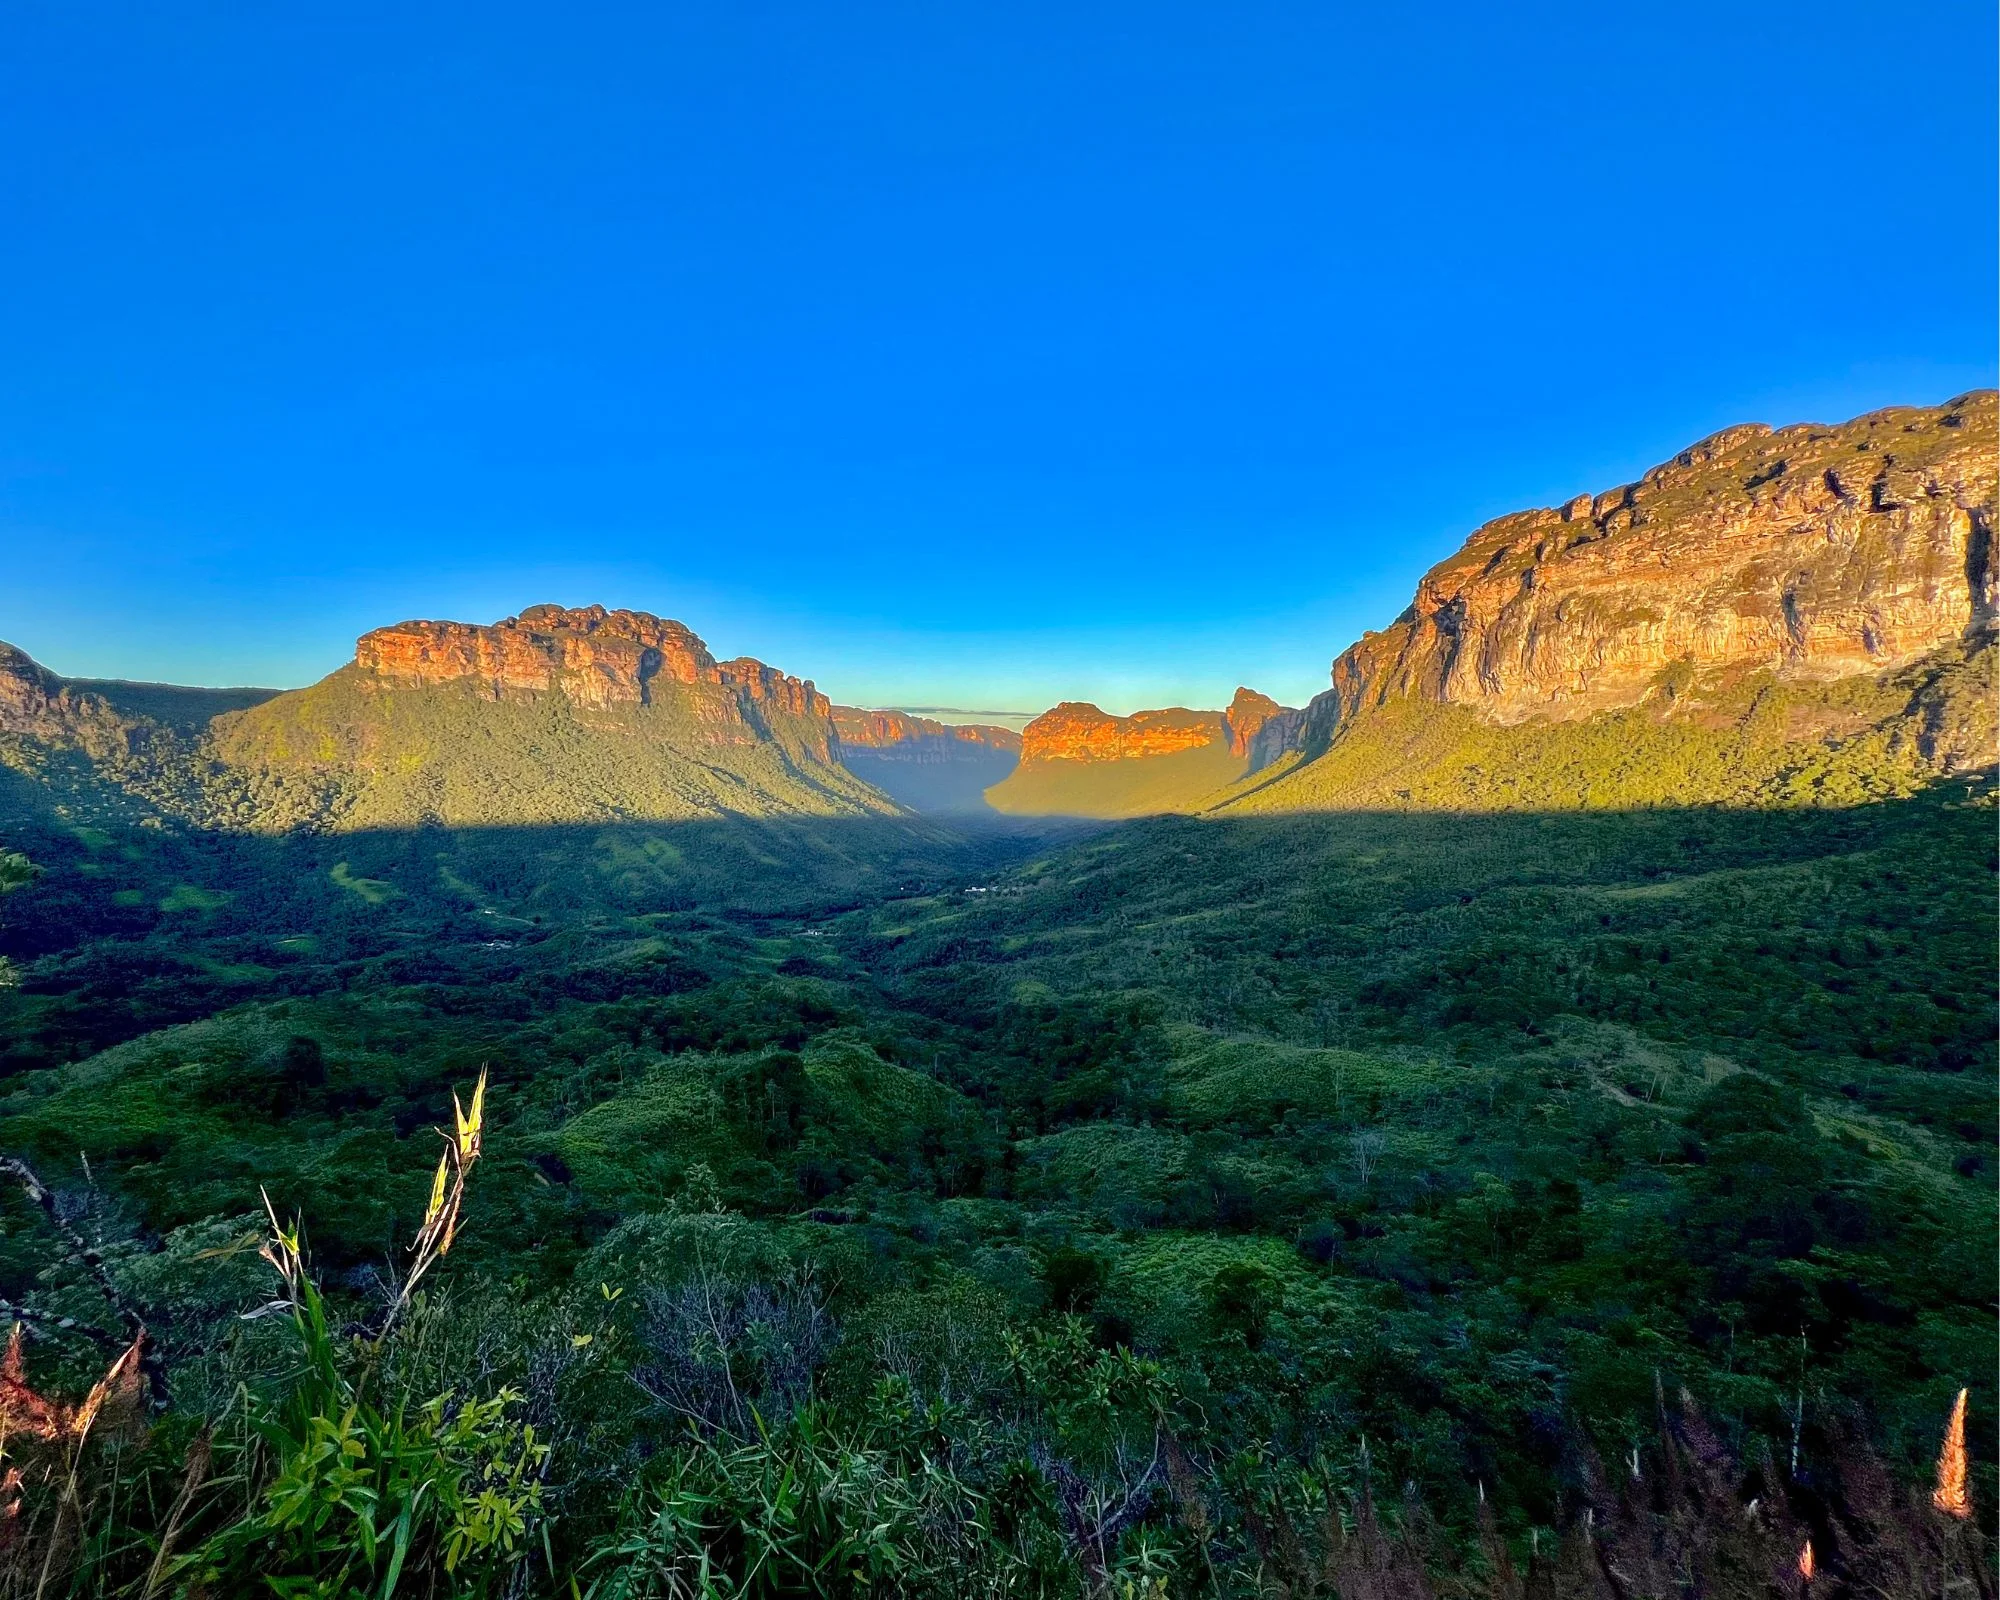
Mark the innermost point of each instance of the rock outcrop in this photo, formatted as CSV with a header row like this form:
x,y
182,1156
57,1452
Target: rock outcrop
x,y
1077,760
1811,551
1077,731
1248,715
902,735
594,656
553,716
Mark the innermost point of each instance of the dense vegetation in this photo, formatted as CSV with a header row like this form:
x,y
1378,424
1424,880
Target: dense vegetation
x,y
1725,737
1251,1204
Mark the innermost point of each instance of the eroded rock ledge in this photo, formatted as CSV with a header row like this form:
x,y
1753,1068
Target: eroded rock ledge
x,y
1814,551
592,655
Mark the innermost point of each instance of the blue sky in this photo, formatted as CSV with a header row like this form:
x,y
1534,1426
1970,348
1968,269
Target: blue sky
x,y
950,354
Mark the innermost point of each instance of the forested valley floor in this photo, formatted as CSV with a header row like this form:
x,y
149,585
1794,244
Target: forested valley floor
x,y
1281,1205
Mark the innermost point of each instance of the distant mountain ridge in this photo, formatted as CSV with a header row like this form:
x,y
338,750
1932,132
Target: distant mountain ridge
x,y
556,715
1774,616
919,736
925,764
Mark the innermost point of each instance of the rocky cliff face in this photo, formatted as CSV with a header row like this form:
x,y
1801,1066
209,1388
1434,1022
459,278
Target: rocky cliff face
x,y
1248,715
594,656
1077,760
553,716
1078,731
902,735
1813,551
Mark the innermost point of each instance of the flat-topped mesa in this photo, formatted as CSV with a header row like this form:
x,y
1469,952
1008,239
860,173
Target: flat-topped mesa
x,y
591,655
1813,551
1078,731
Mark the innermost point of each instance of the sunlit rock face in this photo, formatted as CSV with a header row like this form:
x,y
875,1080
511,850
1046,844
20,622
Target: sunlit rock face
x,y
1079,731
1814,551
1248,715
592,656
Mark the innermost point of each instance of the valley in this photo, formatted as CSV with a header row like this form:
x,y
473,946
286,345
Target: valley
x,y
1164,1149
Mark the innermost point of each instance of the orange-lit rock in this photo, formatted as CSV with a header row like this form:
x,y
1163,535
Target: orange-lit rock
x,y
1078,731
1815,551
592,656
1246,717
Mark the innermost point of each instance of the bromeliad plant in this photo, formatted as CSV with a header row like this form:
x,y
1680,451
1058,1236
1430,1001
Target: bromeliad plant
x,y
373,1493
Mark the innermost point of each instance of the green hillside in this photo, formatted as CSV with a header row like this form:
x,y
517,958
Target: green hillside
x,y
1392,1142
186,710
345,753
1727,739
1396,1152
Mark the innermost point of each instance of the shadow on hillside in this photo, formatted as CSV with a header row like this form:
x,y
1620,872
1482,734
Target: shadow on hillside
x,y
947,788
125,882
125,930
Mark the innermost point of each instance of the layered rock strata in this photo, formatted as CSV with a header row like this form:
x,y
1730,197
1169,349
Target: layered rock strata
x,y
1813,551
1078,731
594,656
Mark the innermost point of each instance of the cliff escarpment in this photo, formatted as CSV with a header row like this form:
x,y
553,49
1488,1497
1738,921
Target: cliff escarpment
x,y
1793,616
592,656
1813,552
555,715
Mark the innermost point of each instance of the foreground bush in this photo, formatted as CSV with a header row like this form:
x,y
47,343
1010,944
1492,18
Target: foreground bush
x,y
716,1434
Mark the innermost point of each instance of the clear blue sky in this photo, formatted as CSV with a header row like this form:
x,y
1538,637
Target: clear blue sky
x,y
962,354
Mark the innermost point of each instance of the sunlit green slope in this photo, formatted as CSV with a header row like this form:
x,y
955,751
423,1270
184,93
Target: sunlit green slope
x,y
339,754
1737,740
1180,782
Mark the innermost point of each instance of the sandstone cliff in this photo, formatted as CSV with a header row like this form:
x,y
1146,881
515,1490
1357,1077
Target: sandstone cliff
x,y
905,736
556,715
1248,715
1811,550
1077,731
593,656
1077,760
